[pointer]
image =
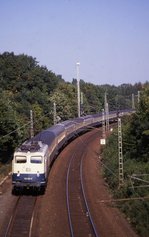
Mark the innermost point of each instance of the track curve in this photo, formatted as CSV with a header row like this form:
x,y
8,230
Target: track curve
x,y
80,219
51,216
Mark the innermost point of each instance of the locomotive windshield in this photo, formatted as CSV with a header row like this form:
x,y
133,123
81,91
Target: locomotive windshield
x,y
20,159
36,159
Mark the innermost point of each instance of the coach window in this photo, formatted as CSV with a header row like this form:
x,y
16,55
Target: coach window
x,y
36,159
20,159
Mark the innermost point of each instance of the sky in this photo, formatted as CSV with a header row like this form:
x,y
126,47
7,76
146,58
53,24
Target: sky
x,y
110,38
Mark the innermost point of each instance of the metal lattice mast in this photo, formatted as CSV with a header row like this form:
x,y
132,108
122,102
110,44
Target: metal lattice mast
x,y
120,154
103,124
106,112
138,97
133,101
107,117
31,124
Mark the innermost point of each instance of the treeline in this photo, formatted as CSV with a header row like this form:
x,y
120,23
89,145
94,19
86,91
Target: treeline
x,y
135,131
25,86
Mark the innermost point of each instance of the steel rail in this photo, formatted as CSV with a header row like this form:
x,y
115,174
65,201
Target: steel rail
x,y
15,219
9,226
67,197
85,200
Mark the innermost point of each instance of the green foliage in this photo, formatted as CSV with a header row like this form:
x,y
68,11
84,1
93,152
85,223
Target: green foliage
x,y
137,212
66,101
136,166
8,123
111,151
118,97
137,131
24,86
27,86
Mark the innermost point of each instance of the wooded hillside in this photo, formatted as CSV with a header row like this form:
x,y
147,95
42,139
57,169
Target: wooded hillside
x,y
25,86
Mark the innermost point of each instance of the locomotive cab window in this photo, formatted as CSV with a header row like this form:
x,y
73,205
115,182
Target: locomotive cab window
x,y
20,159
36,159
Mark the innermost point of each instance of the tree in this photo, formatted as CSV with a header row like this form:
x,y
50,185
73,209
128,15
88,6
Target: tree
x,y
8,128
66,101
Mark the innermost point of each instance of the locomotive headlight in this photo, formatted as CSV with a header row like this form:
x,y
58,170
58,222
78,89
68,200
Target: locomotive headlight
x,y
38,174
18,173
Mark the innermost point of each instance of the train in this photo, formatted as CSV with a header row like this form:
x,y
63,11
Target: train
x,y
33,159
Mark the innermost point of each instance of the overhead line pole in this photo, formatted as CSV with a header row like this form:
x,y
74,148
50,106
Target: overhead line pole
x,y
103,124
31,124
106,112
81,104
133,101
120,154
78,87
138,97
54,113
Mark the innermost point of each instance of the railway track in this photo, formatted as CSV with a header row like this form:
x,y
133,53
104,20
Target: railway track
x,y
81,222
47,215
21,220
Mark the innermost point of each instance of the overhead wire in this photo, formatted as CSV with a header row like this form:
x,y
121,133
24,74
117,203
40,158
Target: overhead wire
x,y
91,127
112,172
27,124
